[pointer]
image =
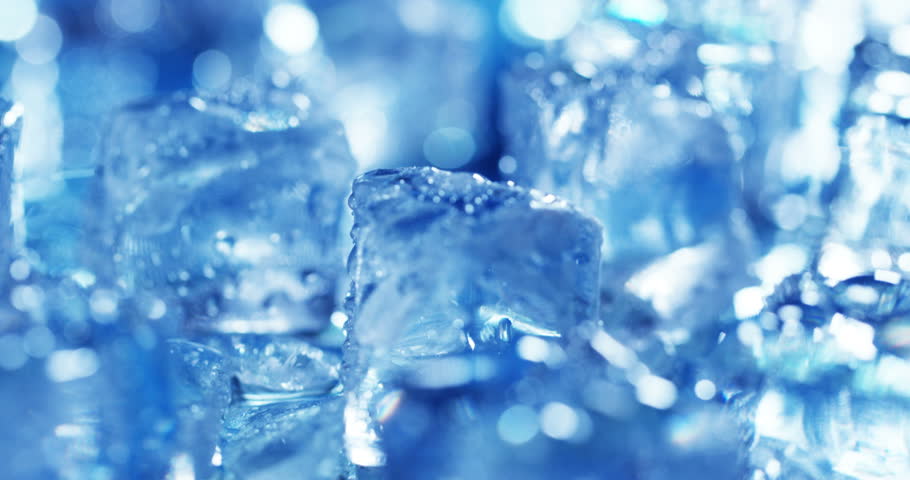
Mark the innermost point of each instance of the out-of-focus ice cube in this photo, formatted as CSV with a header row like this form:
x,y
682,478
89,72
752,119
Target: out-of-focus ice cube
x,y
227,208
870,214
655,164
447,263
831,404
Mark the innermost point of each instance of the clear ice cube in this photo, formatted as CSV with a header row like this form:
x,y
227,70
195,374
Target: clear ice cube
x,y
831,403
446,263
227,207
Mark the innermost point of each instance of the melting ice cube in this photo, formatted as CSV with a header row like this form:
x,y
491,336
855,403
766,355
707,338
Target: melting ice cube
x,y
446,263
227,207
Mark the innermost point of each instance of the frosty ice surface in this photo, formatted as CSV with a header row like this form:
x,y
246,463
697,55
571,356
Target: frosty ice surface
x,y
451,262
227,208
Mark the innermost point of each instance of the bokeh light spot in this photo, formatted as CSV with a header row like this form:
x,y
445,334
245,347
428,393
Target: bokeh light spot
x,y
18,18
135,16
42,43
292,28
212,70
541,19
449,147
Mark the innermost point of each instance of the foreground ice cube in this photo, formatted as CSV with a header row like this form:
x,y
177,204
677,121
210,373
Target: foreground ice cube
x,y
227,207
450,262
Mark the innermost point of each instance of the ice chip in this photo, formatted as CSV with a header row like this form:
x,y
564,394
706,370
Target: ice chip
x,y
228,206
445,263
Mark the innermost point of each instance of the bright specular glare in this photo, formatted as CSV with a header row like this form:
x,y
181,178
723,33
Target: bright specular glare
x,y
292,28
648,12
42,43
18,18
542,19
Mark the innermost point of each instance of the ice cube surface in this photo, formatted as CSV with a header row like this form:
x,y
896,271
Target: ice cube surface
x,y
228,206
445,263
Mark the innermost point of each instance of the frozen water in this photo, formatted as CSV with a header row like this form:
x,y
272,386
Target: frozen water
x,y
656,166
446,263
227,207
240,398
869,217
254,382
831,404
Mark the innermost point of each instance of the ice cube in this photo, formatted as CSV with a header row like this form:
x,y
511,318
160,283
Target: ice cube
x,y
450,262
869,216
228,206
831,404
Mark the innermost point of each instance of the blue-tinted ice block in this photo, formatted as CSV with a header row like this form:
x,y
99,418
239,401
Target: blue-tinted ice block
x,y
832,403
446,263
227,208
653,163
869,217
